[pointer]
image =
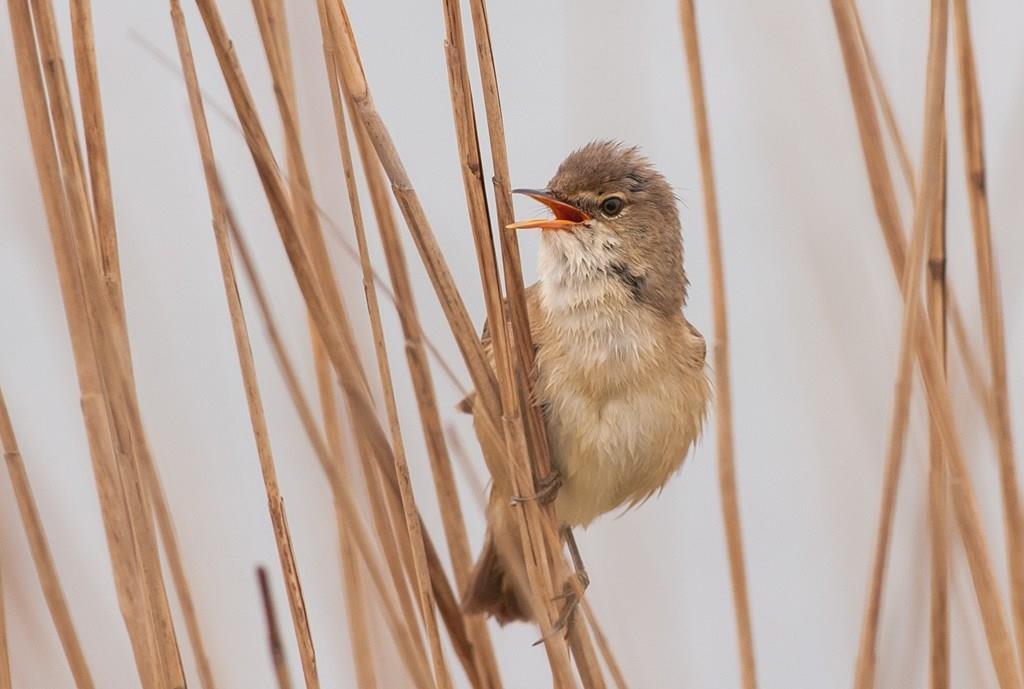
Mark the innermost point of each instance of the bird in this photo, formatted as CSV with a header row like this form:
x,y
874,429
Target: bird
x,y
619,373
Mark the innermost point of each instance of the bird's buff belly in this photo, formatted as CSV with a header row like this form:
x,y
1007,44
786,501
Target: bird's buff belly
x,y
615,453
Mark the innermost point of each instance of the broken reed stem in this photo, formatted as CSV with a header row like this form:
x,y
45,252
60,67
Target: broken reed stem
x,y
975,379
720,349
415,662
937,392
100,343
991,310
243,349
273,633
42,557
938,487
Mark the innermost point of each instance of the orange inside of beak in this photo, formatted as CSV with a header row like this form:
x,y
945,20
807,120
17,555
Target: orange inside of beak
x,y
566,217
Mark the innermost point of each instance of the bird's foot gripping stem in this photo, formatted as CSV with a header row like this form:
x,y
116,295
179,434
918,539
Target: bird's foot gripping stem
x,y
572,592
547,490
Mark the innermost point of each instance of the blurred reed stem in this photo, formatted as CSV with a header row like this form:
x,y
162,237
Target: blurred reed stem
x,y
42,557
937,392
273,633
991,310
720,355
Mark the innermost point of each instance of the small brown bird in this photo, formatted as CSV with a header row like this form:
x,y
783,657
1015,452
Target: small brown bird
x,y
619,371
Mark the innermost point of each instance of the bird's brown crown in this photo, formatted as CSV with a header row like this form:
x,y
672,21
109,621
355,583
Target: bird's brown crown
x,y
633,230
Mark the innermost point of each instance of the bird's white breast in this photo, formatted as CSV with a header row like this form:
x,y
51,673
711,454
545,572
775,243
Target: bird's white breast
x,y
623,396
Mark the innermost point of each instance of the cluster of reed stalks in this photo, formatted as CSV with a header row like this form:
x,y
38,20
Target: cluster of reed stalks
x,y
391,563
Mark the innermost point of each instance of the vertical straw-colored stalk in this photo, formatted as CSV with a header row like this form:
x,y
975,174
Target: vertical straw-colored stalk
x,y
938,487
109,408
991,309
937,392
273,633
461,327
975,378
46,569
926,216
720,355
275,502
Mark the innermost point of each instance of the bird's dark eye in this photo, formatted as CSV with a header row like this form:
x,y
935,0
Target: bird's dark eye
x,y
612,206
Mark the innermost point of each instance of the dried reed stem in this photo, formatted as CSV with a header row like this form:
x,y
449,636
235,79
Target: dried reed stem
x,y
46,569
938,484
926,215
991,310
386,514
937,392
720,349
316,247
414,662
106,235
273,633
101,351
243,348
975,378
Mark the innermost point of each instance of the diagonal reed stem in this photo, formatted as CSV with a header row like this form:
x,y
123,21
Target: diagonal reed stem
x,y
46,569
243,348
720,349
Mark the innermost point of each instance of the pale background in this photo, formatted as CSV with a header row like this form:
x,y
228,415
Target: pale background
x,y
813,313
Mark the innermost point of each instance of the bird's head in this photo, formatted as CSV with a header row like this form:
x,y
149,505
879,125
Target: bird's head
x,y
615,223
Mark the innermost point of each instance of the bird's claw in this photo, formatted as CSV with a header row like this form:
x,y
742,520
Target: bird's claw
x,y
547,490
572,594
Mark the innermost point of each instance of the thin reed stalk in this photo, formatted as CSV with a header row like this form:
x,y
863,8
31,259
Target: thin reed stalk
x,y
975,379
937,392
273,633
720,355
106,239
451,301
42,557
394,541
938,483
415,662
243,349
926,209
991,310
109,408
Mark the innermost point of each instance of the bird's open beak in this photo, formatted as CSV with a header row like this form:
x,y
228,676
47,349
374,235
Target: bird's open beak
x,y
566,217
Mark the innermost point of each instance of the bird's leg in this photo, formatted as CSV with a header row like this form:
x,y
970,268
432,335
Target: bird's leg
x,y
547,489
575,586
